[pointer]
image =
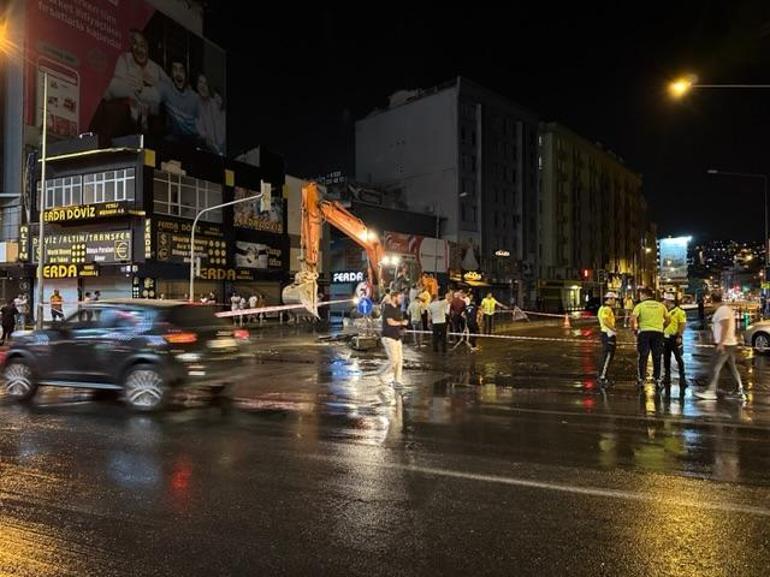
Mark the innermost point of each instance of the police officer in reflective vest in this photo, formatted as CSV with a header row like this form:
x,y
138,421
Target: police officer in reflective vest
x,y
606,316
673,342
648,320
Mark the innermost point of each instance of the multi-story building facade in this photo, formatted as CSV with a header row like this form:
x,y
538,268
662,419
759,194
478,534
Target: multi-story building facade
x,y
595,232
468,156
119,220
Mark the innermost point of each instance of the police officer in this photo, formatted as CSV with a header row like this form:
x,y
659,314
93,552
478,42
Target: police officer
x,y
648,320
606,316
673,342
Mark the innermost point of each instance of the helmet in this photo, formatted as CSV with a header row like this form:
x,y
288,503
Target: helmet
x,y
610,295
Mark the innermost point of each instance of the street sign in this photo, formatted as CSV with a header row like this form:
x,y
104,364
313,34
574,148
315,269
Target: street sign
x,y
365,306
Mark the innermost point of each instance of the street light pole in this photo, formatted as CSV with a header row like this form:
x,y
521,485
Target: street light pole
x,y
41,209
191,296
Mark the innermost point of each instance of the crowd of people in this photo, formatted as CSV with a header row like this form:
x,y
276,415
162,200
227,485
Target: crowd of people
x,y
426,310
659,330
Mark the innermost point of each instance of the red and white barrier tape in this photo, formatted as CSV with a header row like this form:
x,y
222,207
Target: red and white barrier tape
x,y
277,308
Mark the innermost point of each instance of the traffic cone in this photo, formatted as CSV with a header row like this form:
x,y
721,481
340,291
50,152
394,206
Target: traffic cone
x,y
566,324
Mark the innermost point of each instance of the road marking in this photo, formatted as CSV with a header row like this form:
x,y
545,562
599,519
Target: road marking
x,y
588,491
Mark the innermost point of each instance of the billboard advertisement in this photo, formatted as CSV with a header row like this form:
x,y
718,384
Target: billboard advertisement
x,y
673,258
248,214
119,67
258,256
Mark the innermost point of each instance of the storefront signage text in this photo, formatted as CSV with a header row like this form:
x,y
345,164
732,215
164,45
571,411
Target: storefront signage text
x,y
86,212
70,271
342,277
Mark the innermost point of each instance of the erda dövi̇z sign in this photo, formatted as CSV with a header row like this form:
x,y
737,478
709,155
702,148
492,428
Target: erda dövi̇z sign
x,y
79,248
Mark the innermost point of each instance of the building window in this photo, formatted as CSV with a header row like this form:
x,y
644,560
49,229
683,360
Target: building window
x,y
109,186
184,196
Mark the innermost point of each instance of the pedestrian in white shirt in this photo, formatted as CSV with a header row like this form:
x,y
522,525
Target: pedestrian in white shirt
x,y
723,330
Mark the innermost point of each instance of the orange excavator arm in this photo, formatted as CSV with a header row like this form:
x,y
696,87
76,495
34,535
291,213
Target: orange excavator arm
x,y
315,210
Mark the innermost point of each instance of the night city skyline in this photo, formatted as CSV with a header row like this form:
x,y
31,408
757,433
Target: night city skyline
x,y
603,73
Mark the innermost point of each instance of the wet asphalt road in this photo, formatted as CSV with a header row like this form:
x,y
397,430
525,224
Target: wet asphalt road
x,y
503,462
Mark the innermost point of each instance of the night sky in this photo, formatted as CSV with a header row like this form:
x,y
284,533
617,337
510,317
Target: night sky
x,y
599,70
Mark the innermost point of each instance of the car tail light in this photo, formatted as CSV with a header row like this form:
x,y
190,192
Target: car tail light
x,y
241,334
181,338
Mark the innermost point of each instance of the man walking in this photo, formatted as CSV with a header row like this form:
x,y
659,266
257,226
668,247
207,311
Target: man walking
x,y
392,324
456,312
437,313
673,334
488,305
606,316
723,331
8,320
648,320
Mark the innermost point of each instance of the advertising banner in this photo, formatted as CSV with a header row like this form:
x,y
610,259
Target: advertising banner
x,y
120,67
172,242
77,248
248,215
673,258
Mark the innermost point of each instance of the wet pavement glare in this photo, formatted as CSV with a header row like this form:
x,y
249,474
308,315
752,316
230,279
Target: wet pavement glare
x,y
507,461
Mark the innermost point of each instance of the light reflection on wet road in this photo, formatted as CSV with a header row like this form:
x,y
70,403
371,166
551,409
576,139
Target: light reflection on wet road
x,y
506,461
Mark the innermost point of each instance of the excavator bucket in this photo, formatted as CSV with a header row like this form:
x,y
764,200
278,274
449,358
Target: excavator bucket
x,y
303,292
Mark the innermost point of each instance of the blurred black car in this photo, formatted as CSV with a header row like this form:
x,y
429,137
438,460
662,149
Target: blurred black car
x,y
140,348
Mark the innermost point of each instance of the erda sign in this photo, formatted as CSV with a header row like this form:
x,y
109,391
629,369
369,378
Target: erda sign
x,y
347,277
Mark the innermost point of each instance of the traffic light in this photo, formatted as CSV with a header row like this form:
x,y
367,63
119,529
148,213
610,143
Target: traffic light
x,y
586,273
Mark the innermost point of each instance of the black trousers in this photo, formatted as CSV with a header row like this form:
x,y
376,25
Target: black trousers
x,y
458,325
672,348
649,342
609,344
489,324
439,337
7,330
424,317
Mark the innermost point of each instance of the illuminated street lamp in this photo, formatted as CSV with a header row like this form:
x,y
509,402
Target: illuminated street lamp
x,y
682,86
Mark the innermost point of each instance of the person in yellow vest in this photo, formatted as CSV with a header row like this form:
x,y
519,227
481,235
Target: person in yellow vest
x,y
628,309
673,342
488,305
606,316
648,321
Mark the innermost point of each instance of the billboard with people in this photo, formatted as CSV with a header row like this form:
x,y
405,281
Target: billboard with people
x,y
119,68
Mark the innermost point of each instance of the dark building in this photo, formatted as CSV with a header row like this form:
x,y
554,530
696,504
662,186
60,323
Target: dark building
x,y
119,219
468,155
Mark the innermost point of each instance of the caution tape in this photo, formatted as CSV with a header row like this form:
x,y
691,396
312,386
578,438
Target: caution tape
x,y
277,308
624,344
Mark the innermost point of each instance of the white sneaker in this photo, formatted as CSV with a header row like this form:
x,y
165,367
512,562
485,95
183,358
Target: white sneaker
x,y
705,394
